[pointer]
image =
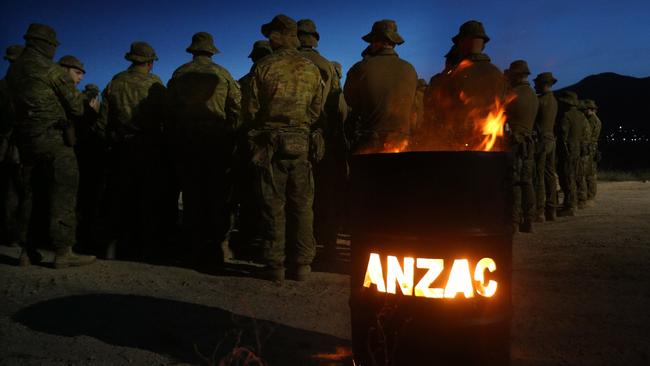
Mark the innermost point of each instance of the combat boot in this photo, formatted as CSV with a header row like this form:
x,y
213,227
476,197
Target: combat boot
x,y
29,257
65,258
300,272
526,227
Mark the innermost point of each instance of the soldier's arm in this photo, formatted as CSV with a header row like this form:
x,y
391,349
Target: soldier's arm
x,y
101,125
251,102
233,104
68,95
317,101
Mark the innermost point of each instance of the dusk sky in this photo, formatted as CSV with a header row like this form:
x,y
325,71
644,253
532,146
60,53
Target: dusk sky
x,y
571,38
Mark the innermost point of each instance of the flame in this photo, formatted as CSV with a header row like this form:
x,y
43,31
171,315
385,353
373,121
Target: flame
x,y
492,127
395,147
340,354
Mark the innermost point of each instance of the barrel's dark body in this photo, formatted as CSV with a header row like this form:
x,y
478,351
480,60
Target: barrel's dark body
x,y
447,205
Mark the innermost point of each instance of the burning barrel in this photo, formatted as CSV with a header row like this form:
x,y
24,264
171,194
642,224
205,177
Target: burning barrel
x,y
431,258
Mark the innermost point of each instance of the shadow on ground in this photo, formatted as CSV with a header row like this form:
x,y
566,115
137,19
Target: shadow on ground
x,y
187,332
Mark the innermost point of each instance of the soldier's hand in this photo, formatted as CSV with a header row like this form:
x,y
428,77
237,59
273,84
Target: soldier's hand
x,y
94,104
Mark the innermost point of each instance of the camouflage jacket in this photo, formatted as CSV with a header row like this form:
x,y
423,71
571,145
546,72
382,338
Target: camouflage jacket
x,y
286,91
380,91
201,90
546,114
132,103
596,126
327,72
571,131
522,110
44,95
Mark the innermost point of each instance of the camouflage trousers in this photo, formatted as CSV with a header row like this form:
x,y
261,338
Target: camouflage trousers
x,y
9,200
567,172
49,181
523,191
329,178
544,177
285,189
581,180
591,176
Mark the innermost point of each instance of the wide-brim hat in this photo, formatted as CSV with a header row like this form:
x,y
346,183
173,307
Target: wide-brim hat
x,y
280,23
386,29
568,97
518,67
545,77
202,42
91,88
307,26
43,32
261,48
473,29
72,62
141,52
13,52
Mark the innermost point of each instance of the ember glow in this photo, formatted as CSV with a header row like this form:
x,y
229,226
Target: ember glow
x,y
402,275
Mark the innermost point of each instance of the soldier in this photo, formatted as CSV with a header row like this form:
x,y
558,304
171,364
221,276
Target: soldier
x,y
380,91
591,171
74,67
130,120
9,160
521,114
45,99
585,158
469,92
570,127
248,216
545,184
204,103
285,102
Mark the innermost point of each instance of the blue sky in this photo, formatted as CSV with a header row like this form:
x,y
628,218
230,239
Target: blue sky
x,y
571,38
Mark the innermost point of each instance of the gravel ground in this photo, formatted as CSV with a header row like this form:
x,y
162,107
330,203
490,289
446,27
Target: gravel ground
x,y
581,296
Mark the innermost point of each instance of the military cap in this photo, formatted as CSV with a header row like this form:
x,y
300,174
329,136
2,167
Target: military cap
x,y
307,26
473,29
280,23
72,62
202,42
386,29
13,52
545,77
568,97
261,49
42,32
91,89
518,67
591,104
141,52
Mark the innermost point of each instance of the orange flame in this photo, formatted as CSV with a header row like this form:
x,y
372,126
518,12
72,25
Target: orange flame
x,y
492,127
340,354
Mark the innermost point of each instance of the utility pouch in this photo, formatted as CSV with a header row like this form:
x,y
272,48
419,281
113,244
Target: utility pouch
x,y
292,144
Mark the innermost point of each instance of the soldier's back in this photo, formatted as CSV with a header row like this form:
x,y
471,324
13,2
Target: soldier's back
x,y
522,110
546,114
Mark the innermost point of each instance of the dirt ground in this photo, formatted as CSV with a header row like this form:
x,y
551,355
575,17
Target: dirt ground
x,y
581,296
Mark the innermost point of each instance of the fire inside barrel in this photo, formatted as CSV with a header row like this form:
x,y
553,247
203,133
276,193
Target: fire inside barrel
x,y
431,258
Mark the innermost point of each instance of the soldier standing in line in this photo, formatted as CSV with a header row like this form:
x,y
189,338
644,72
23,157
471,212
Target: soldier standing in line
x,y
326,223
131,119
585,158
9,159
470,91
520,114
591,171
284,105
45,99
570,126
545,184
380,91
204,104
247,216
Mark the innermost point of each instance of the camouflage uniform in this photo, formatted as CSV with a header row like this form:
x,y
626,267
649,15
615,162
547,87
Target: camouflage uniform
x,y
471,87
520,115
571,126
545,184
585,158
204,102
45,98
9,160
327,176
436,84
131,119
285,101
591,170
380,91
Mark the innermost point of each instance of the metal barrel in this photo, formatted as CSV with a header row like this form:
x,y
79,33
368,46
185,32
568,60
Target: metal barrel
x,y
412,215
